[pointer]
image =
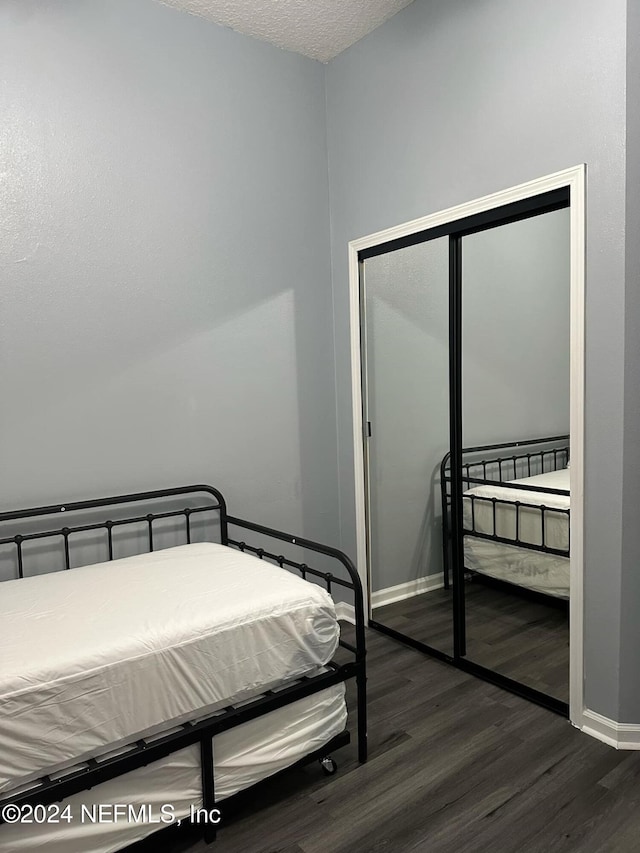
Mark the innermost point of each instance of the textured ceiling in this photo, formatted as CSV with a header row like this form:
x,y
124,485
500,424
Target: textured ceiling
x,y
320,29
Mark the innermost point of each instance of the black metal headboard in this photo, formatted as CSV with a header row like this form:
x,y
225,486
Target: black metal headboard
x,y
186,505
80,517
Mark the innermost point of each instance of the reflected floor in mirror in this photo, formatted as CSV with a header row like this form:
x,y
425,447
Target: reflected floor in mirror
x,y
523,639
426,617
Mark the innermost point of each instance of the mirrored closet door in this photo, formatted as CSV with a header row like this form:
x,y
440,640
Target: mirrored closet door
x,y
405,322
515,432
465,353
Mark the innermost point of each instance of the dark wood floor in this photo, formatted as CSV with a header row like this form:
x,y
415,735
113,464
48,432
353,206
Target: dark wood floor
x,y
456,766
521,638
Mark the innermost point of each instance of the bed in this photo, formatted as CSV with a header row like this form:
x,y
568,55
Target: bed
x,y
170,678
515,514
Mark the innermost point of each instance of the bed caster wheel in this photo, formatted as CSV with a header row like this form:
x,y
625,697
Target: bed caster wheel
x,y
329,767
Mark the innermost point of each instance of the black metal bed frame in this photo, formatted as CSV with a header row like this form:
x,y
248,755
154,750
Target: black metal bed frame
x,y
492,469
144,751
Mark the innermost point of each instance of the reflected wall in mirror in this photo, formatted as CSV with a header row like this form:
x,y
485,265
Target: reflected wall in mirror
x,y
405,353
515,401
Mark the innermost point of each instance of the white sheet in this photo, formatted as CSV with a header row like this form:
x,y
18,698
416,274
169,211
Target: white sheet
x,y
98,655
242,756
546,573
556,524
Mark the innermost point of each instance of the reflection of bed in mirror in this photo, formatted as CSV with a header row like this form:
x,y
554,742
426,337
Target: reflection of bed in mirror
x,y
516,513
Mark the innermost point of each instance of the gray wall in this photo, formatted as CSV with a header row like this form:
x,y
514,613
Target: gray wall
x,y
630,597
448,102
165,310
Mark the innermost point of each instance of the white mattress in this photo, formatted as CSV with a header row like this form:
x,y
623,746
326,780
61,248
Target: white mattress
x,y
242,756
556,524
540,572
98,655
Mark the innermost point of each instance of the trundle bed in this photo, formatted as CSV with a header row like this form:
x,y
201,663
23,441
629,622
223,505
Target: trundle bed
x,y
180,674
515,514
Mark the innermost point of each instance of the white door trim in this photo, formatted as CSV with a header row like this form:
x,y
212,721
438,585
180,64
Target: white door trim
x,y
575,180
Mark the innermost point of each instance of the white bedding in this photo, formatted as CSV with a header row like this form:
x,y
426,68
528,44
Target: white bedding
x,y
541,572
98,655
242,756
546,573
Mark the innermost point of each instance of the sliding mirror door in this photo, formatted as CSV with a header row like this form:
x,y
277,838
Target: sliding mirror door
x,y
516,453
405,355
470,324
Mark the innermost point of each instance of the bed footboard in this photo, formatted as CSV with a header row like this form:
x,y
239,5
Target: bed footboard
x,y
351,584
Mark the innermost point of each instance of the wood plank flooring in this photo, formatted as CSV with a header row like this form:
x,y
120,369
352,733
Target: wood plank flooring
x,y
456,766
523,639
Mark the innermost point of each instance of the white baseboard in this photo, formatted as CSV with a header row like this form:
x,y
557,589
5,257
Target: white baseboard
x,y
406,590
618,735
346,612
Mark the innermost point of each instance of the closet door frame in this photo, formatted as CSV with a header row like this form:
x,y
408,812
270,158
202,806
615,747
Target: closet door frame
x,y
455,222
